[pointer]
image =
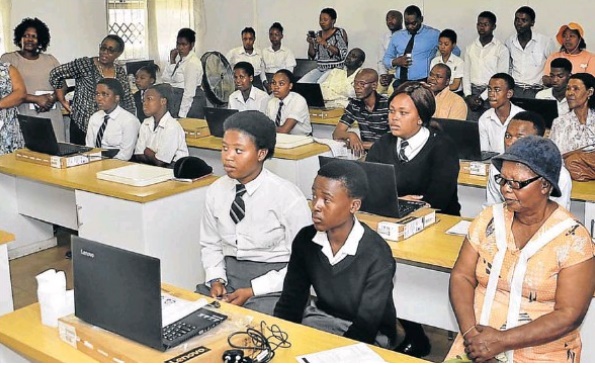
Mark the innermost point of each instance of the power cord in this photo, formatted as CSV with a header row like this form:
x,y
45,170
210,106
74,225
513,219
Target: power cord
x,y
263,346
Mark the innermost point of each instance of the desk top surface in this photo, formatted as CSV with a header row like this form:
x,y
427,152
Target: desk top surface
x,y
298,153
83,177
6,237
432,246
23,332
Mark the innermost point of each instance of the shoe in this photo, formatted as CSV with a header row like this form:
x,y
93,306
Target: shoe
x,y
419,348
68,255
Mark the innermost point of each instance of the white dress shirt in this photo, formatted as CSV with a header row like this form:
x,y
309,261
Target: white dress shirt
x,y
548,94
481,63
526,66
494,195
348,249
276,210
120,133
257,100
168,140
491,129
294,107
187,75
238,54
382,46
456,65
277,60
416,143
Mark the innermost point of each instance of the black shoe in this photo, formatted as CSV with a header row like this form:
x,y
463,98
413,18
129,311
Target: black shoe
x,y
68,255
418,348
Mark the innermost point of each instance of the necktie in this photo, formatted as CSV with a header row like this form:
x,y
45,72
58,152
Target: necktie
x,y
99,137
402,155
176,68
238,208
278,117
404,70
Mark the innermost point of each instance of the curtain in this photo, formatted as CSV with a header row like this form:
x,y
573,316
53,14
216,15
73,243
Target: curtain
x,y
165,18
6,35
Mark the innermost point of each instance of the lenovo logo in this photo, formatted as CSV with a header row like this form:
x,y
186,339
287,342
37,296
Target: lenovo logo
x,y
87,253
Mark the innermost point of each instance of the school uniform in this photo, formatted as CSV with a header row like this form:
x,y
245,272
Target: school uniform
x,y
120,132
167,139
294,107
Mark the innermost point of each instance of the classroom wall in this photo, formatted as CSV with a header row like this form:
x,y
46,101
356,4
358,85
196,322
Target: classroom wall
x,y
364,20
76,26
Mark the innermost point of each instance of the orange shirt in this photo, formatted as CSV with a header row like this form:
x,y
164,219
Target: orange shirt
x,y
581,62
450,105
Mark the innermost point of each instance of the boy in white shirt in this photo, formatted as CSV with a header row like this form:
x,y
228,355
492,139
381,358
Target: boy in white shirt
x,y
447,41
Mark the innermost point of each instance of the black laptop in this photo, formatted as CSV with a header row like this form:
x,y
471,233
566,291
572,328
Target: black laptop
x,y
215,118
465,135
548,109
40,137
382,190
312,93
133,66
120,291
303,66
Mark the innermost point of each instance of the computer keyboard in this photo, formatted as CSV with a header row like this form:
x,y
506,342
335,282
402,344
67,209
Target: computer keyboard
x,y
179,331
66,149
407,206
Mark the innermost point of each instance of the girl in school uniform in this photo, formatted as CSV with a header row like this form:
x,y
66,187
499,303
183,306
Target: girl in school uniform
x,y
287,109
112,127
144,77
161,139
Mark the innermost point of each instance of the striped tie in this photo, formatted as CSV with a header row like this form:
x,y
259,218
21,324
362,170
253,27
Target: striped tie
x,y
402,155
278,117
99,137
238,209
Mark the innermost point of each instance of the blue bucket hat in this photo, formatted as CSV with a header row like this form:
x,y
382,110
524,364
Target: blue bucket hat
x,y
537,153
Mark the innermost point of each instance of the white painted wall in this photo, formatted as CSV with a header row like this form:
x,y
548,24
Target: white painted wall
x,y
76,26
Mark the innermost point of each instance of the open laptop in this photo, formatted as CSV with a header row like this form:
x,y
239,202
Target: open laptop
x,y
40,137
382,190
465,135
548,109
215,118
133,66
303,66
120,291
312,93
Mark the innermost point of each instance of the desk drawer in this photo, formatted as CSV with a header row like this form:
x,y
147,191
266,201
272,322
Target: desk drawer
x,y
47,203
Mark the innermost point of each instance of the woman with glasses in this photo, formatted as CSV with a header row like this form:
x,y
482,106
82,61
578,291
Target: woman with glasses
x,y
426,166
524,277
32,36
87,72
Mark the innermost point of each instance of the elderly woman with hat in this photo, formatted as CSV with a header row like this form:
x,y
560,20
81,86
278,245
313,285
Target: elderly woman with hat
x,y
571,37
525,274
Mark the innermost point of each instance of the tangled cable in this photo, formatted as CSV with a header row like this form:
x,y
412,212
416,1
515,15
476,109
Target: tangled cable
x,y
263,346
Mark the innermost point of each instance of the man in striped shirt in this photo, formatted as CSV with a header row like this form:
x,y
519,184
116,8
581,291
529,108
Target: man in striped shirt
x,y
369,109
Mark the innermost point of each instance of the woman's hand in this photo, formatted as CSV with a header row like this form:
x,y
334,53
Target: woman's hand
x,y
321,41
218,290
484,344
240,296
172,56
66,105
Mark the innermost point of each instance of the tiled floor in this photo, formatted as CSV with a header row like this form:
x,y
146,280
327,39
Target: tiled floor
x,y
24,286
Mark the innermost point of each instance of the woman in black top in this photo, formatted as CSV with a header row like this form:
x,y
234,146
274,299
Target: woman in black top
x,y
427,167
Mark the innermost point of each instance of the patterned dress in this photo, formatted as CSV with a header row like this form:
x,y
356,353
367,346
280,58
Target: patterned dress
x,y
10,133
571,247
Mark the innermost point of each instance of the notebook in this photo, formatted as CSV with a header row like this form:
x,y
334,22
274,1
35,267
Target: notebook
x,y
120,291
215,118
548,109
137,175
382,190
39,136
312,93
465,135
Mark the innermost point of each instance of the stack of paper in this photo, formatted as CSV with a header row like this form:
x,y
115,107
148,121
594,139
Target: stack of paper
x,y
137,175
292,141
358,353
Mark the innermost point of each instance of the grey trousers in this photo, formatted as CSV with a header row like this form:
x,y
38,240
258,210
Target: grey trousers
x,y
240,274
197,109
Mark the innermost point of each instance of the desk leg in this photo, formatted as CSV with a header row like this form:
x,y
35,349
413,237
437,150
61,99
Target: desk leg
x,y
6,304
32,235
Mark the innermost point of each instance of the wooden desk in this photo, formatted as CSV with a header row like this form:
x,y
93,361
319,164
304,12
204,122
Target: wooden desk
x,y
23,333
140,219
298,165
6,304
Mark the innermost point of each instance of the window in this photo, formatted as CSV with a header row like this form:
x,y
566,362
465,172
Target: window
x,y
128,19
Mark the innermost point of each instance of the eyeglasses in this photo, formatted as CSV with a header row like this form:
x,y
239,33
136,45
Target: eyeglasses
x,y
514,184
361,83
109,50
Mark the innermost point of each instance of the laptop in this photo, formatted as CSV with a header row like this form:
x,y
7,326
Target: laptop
x,y
40,137
215,118
548,109
133,66
303,66
465,135
382,182
312,93
120,291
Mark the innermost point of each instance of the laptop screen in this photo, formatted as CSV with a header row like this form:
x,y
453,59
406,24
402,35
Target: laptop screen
x,y
38,134
311,92
215,118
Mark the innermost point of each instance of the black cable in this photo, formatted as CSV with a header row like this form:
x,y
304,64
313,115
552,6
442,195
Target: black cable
x,y
263,346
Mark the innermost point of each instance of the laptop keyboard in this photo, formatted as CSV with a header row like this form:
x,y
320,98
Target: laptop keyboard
x,y
179,331
487,155
407,207
66,149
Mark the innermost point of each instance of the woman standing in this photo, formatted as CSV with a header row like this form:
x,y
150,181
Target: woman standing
x,y
32,36
328,46
12,93
87,72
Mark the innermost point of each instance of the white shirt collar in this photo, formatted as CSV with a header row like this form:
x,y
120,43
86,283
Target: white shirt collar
x,y
348,249
165,119
416,142
253,185
114,114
